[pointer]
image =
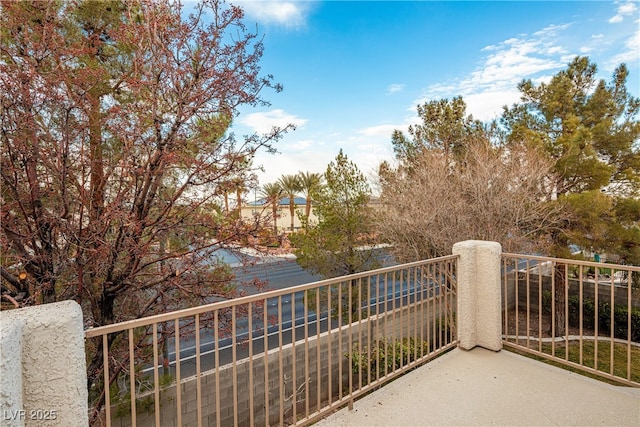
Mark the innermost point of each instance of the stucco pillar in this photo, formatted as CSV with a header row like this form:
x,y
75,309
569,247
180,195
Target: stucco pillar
x,y
51,352
11,406
479,298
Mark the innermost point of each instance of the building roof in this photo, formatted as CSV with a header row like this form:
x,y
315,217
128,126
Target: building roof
x,y
283,201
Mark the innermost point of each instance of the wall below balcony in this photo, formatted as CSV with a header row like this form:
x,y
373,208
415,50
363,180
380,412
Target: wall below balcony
x,y
409,321
537,282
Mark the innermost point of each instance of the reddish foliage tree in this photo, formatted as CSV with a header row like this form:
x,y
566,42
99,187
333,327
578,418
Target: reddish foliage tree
x,y
115,151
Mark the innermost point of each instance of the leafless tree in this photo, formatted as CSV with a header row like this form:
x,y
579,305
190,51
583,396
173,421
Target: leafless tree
x,y
488,192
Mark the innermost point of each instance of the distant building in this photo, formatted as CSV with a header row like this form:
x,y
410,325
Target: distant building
x,y
263,209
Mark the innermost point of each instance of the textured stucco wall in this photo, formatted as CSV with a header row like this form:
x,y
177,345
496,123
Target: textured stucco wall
x,y
11,373
54,388
479,297
417,321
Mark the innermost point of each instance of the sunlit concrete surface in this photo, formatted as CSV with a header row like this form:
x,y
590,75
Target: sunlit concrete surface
x,y
482,387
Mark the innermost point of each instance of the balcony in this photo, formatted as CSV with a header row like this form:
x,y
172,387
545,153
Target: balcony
x,y
482,387
416,344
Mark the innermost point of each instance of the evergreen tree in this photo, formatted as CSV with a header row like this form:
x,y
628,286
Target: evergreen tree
x,y
333,246
590,129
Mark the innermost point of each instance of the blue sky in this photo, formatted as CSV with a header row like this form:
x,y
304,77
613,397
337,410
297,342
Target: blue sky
x,y
354,71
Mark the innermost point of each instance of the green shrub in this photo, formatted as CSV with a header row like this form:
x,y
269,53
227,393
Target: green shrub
x,y
620,316
384,356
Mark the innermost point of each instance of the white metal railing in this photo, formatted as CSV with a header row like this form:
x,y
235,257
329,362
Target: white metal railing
x,y
582,314
284,357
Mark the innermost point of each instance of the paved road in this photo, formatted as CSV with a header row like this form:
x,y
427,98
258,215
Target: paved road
x,y
278,274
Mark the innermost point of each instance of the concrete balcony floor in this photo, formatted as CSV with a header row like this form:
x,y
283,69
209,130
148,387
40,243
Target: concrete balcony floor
x,y
481,387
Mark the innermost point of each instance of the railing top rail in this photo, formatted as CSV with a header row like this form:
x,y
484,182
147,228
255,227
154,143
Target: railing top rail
x,y
164,317
573,261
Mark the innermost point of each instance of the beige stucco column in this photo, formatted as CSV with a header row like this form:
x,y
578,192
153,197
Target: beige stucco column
x,y
46,344
479,297
11,374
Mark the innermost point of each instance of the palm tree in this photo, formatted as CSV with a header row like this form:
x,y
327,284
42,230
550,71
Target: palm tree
x,y
290,186
310,183
225,188
240,186
272,192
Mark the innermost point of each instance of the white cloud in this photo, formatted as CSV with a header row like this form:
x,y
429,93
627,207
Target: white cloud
x,y
380,130
488,105
551,30
290,14
631,52
624,9
616,19
493,83
314,159
302,144
263,122
627,8
394,88
369,155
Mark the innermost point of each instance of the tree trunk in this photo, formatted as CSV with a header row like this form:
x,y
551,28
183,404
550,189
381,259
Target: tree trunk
x,y
291,210
559,271
96,161
274,207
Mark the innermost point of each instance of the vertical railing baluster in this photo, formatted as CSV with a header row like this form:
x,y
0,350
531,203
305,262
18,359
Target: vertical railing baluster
x,y
596,321
450,304
198,373
281,392
505,285
350,333
318,359
265,337
386,318
250,357
415,316
540,292
132,378
613,324
629,312
216,352
330,345
369,327
566,311
431,309
294,371
517,301
234,366
176,327
156,380
400,319
528,299
307,375
581,314
423,287
553,308
107,382
361,348
340,351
